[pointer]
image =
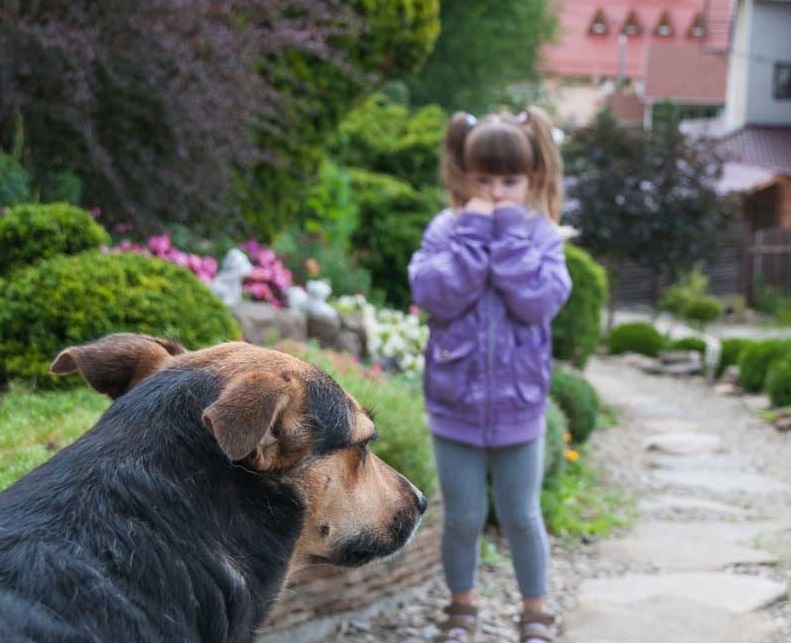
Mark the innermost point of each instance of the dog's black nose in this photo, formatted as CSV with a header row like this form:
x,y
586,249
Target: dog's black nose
x,y
420,501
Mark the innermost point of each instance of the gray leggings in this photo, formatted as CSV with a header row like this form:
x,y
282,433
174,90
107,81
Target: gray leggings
x,y
516,476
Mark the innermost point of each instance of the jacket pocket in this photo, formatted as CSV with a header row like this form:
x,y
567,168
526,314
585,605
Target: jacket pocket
x,y
531,364
449,370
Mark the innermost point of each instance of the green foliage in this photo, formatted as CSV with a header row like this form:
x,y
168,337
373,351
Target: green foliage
x,y
704,310
778,381
688,344
646,196
393,216
773,302
576,329
33,425
484,46
67,300
731,352
579,504
578,400
404,440
690,286
61,187
383,136
636,337
342,270
30,233
14,182
755,360
330,210
392,39
555,443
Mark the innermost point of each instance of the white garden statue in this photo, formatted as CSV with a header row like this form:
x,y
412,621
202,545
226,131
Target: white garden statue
x,y
312,300
227,285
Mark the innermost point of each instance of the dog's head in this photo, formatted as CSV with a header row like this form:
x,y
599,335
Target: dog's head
x,y
283,418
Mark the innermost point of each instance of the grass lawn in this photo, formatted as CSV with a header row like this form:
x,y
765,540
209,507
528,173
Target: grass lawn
x,y
34,425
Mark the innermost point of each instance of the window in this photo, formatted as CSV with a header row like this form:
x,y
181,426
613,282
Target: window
x,y
698,27
632,26
664,28
598,26
782,82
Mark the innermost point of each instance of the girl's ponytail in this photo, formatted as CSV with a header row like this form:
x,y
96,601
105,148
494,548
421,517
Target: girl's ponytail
x,y
452,166
547,174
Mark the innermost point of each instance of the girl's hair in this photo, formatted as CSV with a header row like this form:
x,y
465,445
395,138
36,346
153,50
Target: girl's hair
x,y
504,144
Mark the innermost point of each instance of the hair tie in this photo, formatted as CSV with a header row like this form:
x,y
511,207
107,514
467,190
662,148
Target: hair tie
x,y
471,120
523,118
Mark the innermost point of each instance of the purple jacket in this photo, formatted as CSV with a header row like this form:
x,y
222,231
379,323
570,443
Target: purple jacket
x,y
491,286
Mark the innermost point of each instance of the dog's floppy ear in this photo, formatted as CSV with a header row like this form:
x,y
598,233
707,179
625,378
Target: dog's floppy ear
x,y
246,411
114,364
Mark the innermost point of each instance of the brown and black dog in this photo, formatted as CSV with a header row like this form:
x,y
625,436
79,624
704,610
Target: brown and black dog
x,y
178,517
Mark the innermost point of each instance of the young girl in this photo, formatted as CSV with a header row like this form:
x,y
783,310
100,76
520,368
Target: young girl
x,y
491,273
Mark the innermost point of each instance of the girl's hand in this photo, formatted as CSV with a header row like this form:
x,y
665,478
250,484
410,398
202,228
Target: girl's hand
x,y
509,204
479,206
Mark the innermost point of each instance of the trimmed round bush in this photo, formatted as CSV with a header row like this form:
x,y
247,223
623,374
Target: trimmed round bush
x,y
577,328
65,301
755,360
14,182
778,381
636,337
579,402
554,445
703,310
731,351
688,344
31,233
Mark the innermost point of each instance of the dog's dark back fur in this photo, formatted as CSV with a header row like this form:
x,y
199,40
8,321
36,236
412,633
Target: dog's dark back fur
x,y
128,536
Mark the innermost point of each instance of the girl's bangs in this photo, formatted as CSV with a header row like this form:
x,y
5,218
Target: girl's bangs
x,y
497,149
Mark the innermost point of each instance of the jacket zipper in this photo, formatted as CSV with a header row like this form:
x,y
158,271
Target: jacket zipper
x,y
489,367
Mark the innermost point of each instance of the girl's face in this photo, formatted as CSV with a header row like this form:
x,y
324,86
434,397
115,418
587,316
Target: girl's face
x,y
498,188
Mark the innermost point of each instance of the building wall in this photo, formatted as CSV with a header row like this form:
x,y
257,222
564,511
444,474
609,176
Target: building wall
x,y
738,66
770,42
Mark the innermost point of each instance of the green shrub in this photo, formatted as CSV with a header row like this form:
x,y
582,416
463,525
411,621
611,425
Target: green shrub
x,y
555,443
404,440
703,311
14,182
65,300
688,344
778,381
393,216
755,360
31,233
689,287
576,329
731,351
579,402
383,136
636,337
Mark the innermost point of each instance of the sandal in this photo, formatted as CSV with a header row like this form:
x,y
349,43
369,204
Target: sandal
x,y
536,627
460,625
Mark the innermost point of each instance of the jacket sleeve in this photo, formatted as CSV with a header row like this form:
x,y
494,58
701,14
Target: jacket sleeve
x,y
451,269
529,266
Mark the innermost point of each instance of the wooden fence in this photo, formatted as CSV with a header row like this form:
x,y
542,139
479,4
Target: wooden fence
x,y
768,261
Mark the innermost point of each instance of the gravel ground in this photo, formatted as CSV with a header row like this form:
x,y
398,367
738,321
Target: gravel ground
x,y
619,453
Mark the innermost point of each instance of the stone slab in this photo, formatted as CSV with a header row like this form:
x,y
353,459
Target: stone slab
x,y
669,503
720,590
684,443
671,425
721,481
736,533
665,620
710,462
680,554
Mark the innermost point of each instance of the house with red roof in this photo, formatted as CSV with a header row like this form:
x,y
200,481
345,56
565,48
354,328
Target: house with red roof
x,y
633,54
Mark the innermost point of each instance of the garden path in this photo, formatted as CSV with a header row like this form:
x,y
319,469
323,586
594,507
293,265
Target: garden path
x,y
708,560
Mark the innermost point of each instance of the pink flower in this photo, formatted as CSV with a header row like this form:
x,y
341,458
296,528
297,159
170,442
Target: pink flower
x,y
122,228
414,311
95,212
160,244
